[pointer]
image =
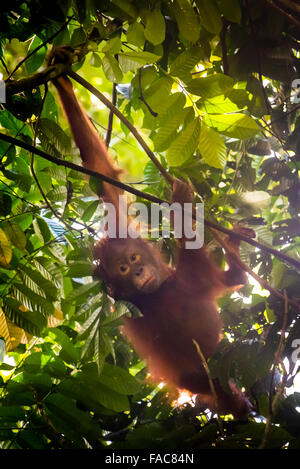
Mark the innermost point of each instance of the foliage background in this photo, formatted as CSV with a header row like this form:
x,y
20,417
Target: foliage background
x,y
208,85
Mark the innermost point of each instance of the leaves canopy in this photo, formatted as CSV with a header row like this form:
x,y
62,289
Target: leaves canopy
x,y
209,86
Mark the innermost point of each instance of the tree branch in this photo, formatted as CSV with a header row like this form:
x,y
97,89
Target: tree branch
x,y
282,12
40,78
111,116
273,403
291,5
149,197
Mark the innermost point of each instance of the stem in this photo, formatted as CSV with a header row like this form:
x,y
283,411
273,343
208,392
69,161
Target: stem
x,y
111,116
273,404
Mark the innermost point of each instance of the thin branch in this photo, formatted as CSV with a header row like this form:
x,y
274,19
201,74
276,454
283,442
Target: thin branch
x,y
141,96
210,381
291,5
149,197
284,13
273,403
111,116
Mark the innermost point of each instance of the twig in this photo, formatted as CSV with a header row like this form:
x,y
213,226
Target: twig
x,y
273,403
210,381
141,96
111,116
149,197
4,65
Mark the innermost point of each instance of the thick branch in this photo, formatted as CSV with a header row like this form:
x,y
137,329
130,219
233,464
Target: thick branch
x,y
282,12
40,78
291,5
149,197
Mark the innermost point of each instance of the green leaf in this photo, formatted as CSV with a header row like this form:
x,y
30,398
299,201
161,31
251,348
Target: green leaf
x,y
118,379
68,411
212,147
80,269
54,139
187,20
95,60
135,34
56,367
217,105
32,300
37,59
80,293
209,16
213,85
186,61
233,125
184,144
151,172
111,68
126,7
112,46
119,310
78,37
31,321
68,352
42,229
8,121
35,281
24,220
155,30
90,210
168,131
15,234
130,61
157,95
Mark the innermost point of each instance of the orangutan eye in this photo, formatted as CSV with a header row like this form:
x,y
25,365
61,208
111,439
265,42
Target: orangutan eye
x,y
135,258
124,269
